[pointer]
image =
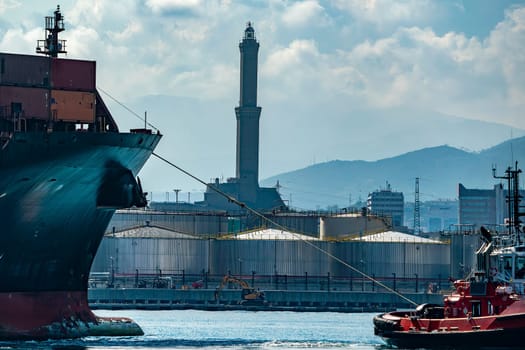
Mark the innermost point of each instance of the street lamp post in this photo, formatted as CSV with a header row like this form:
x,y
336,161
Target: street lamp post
x,y
176,195
394,274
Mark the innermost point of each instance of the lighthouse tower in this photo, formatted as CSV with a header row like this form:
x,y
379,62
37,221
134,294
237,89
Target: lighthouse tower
x,y
248,115
245,185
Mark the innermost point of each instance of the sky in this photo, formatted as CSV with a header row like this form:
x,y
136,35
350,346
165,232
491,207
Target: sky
x,y
331,74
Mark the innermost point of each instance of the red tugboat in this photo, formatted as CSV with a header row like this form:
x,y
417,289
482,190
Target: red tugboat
x,y
485,310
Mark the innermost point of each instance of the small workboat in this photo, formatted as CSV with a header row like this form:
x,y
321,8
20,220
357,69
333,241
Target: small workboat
x,y
486,309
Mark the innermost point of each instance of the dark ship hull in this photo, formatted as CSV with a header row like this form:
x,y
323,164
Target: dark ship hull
x,y
58,192
64,169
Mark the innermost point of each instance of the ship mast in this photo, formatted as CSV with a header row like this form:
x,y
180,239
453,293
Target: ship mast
x,y
513,199
52,46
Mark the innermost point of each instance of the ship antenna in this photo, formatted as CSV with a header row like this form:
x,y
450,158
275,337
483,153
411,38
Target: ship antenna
x,y
51,45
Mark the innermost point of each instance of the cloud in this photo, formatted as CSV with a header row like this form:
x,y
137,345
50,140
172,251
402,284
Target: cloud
x,y
8,4
386,11
18,40
327,65
89,13
305,46
295,55
303,13
84,42
174,6
414,68
506,47
295,69
450,73
213,82
131,29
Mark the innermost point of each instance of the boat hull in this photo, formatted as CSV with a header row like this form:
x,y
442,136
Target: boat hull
x,y
58,192
494,338
474,332
55,315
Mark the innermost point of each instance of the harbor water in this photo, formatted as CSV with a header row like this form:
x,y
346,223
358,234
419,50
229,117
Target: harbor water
x,y
191,329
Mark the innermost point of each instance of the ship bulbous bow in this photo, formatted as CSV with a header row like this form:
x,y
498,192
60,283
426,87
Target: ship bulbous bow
x,y
57,315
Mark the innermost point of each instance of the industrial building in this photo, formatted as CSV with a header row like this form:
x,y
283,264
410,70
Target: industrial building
x,y
388,203
481,207
435,215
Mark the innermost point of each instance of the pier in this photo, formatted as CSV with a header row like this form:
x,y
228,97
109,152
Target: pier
x,y
230,299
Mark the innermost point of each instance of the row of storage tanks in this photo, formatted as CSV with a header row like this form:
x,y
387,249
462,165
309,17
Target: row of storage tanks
x,y
214,224
270,257
293,257
41,86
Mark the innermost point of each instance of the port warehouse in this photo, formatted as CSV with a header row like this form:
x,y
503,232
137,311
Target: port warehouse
x,y
188,251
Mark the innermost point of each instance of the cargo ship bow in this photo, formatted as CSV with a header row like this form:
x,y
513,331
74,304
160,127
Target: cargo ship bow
x,y
64,169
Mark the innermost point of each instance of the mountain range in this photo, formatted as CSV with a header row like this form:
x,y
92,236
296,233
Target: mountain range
x,y
439,169
200,137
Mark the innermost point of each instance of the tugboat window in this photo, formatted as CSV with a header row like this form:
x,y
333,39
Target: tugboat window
x,y
506,267
476,308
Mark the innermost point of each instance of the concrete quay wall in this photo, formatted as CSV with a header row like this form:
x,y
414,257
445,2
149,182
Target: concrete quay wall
x,y
208,299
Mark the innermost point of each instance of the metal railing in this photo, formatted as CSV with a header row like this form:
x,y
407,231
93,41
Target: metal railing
x,y
183,281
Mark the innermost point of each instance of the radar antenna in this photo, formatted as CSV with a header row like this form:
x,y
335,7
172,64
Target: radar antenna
x,y
52,46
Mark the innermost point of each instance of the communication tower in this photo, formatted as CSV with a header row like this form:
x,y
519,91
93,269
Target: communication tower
x,y
417,218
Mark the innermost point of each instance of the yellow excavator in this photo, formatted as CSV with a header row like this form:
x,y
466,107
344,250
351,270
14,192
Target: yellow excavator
x,y
249,296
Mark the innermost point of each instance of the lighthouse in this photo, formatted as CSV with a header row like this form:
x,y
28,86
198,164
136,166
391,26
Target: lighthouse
x,y
245,185
248,115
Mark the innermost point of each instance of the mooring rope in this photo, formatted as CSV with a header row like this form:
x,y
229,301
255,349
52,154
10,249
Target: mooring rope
x,y
262,216
255,212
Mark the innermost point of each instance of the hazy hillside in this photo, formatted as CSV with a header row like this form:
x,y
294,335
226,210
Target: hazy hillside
x,y
440,169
